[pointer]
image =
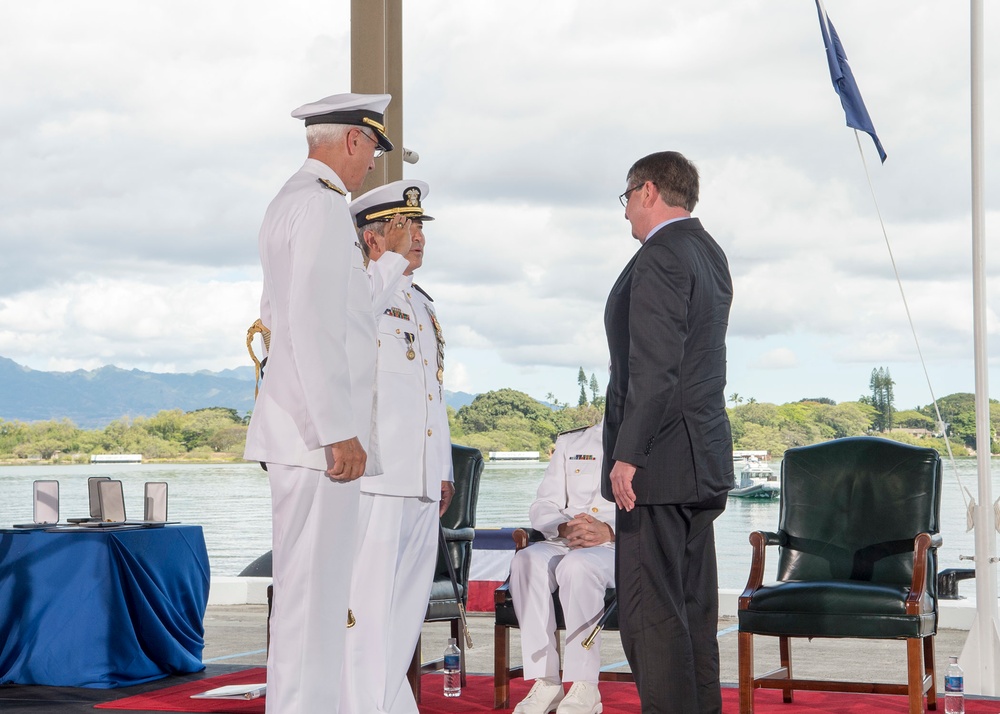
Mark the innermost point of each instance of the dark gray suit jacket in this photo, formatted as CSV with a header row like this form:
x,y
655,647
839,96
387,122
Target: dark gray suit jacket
x,y
666,321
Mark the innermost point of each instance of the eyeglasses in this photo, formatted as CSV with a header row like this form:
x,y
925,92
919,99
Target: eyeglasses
x,y
624,197
378,149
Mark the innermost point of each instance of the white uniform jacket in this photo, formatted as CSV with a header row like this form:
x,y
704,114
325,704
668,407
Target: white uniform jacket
x,y
572,483
412,415
317,301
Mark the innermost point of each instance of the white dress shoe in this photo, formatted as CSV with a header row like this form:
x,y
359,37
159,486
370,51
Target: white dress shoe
x,y
582,698
543,698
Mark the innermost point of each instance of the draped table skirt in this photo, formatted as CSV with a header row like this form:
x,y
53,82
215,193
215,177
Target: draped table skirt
x,y
102,608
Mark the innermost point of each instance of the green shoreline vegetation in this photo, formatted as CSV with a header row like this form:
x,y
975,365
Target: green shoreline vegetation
x,y
509,420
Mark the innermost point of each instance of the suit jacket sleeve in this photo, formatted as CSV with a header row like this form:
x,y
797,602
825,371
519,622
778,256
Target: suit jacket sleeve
x,y
658,326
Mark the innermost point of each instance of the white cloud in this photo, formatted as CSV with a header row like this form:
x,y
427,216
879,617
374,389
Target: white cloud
x,y
183,324
141,144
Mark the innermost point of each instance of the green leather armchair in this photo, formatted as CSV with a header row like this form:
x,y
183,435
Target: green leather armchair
x,y
857,546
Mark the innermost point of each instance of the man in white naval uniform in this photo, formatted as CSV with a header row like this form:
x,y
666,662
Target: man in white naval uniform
x,y
399,512
578,557
312,421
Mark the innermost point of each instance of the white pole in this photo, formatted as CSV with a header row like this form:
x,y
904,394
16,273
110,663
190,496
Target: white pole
x,y
982,651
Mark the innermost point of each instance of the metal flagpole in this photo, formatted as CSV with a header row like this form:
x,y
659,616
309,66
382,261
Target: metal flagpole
x,y
981,653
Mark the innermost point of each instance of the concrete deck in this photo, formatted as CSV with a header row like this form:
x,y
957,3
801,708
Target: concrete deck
x,y
236,635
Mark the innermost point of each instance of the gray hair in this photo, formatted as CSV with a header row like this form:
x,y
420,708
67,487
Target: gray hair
x,y
321,134
377,227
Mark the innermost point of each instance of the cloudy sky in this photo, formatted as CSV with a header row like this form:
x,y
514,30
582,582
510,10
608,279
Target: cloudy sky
x,y
141,142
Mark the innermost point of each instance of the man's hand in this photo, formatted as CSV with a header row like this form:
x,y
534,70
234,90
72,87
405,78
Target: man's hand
x,y
397,235
447,493
585,531
346,460
621,485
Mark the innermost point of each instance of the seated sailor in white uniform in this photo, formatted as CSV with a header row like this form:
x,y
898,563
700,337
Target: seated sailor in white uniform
x,y
578,557
398,518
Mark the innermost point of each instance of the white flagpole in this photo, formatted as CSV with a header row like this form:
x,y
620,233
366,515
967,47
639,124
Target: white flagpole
x,y
981,653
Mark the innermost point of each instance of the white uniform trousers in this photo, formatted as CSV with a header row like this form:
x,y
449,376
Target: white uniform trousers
x,y
396,557
582,575
314,524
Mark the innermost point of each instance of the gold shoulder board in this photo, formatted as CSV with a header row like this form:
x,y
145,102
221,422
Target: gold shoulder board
x,y
331,185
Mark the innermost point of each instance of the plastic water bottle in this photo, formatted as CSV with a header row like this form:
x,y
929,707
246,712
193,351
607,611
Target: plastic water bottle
x,y
453,669
954,689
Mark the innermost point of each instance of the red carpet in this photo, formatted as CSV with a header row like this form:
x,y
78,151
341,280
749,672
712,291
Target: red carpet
x,y
178,697
619,698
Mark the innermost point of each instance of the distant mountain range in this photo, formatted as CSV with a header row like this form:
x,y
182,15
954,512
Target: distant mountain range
x,y
92,399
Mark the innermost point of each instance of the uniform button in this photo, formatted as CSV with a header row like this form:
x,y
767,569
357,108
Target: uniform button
x,y
408,295
430,397
594,510
425,361
397,331
421,327
380,343
430,432
577,471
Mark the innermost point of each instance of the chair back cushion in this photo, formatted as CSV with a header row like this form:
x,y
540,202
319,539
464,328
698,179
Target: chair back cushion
x,y
459,523
468,465
850,509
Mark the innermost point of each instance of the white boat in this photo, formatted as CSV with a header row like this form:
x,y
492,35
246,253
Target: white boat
x,y
756,480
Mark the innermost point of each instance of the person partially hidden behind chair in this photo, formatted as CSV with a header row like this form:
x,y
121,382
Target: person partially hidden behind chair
x,y
578,557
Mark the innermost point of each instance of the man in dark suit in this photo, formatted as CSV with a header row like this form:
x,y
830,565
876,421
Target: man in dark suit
x,y
667,444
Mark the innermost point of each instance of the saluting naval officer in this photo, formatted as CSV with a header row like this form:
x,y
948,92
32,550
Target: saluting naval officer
x,y
578,557
312,424
398,517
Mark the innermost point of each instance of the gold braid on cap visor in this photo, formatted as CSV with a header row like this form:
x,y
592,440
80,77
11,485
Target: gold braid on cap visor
x,y
380,128
390,212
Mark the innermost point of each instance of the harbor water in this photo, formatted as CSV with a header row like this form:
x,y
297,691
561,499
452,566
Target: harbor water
x,y
232,503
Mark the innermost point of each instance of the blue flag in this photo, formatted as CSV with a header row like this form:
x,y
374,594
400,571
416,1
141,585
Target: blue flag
x,y
843,81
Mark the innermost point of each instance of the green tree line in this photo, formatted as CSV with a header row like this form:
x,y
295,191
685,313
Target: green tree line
x,y
172,434
509,420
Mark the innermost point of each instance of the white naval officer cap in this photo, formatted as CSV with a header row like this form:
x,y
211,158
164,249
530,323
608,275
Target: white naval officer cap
x,y
351,109
383,202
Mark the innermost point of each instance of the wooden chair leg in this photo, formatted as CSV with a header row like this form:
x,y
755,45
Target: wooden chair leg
x,y
501,667
915,675
744,657
413,673
456,632
785,653
930,670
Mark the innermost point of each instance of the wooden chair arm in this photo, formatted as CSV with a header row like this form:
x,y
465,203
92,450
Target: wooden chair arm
x,y
523,537
500,594
759,540
922,546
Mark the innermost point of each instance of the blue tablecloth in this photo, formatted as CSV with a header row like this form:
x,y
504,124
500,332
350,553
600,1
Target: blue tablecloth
x,y
102,609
